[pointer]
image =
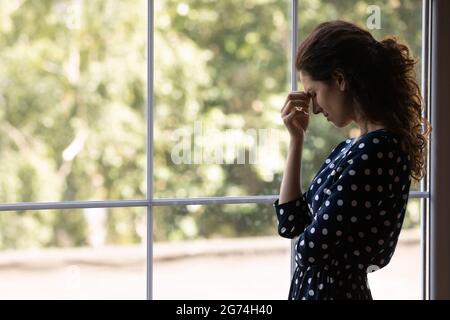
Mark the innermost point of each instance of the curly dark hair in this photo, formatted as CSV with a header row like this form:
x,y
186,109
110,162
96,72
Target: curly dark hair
x,y
380,76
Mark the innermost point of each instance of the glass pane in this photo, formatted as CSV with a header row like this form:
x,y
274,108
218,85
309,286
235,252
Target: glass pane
x,y
219,252
401,18
219,87
72,100
73,254
401,278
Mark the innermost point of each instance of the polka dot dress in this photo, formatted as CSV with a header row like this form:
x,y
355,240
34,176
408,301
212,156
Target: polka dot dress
x,y
349,219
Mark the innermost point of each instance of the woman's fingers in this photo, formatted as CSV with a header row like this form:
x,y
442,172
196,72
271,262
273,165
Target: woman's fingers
x,y
292,104
292,120
294,113
302,109
295,95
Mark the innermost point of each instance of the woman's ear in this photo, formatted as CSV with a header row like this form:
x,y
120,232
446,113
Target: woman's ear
x,y
340,79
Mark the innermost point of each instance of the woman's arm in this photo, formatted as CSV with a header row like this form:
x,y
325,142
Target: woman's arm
x,y
290,185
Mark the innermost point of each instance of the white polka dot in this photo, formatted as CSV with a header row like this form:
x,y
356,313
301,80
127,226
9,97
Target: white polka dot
x,y
354,203
316,197
352,172
312,230
374,230
325,216
327,161
367,188
321,286
327,203
380,155
311,292
339,233
380,189
297,203
311,259
350,161
353,219
380,171
356,253
281,211
332,166
339,217
319,180
293,228
367,172
364,157
381,242
283,230
375,140
339,188
368,204
302,243
311,244
340,202
372,268
324,231
324,246
361,145
387,223
382,212
390,155
291,217
354,187
391,172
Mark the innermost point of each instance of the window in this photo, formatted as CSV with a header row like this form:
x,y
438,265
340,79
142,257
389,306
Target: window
x,y
142,140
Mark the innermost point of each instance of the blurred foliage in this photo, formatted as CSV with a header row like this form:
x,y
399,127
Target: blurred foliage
x,y
73,81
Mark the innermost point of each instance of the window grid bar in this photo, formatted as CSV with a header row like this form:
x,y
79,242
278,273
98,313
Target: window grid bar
x,y
294,42
424,185
29,206
149,119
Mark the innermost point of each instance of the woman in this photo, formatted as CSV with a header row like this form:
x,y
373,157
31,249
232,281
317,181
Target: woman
x,y
349,219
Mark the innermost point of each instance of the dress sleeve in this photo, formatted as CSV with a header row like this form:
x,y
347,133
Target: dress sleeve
x,y
364,181
292,216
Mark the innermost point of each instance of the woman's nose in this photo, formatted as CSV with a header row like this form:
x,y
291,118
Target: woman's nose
x,y
316,109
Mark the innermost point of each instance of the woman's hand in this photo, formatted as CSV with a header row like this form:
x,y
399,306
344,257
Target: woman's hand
x,y
295,114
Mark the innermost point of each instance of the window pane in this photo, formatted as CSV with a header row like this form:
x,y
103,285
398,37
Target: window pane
x,y
72,100
221,78
401,279
219,252
73,254
402,18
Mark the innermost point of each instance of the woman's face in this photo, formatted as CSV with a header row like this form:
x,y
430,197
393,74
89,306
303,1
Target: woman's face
x,y
330,98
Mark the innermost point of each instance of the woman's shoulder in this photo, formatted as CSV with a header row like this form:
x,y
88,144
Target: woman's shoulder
x,y
381,145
